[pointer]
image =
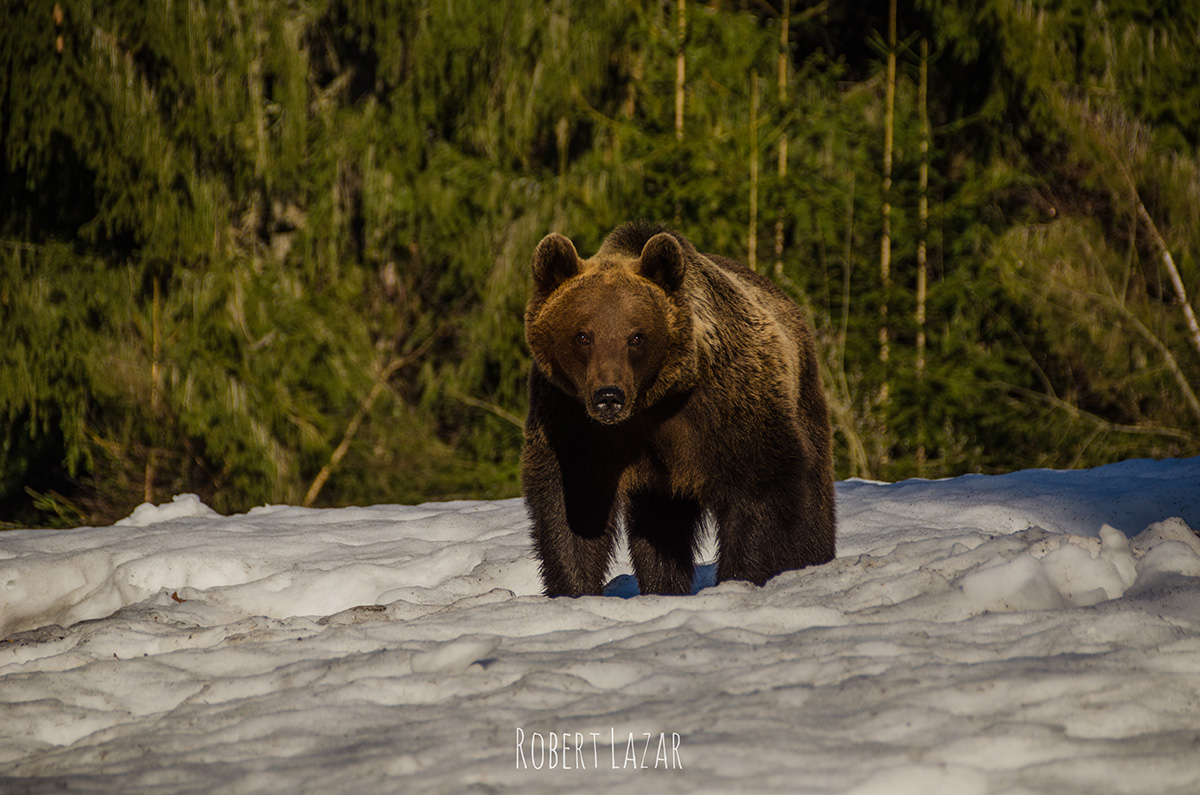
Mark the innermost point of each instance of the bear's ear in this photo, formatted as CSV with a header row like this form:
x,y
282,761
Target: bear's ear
x,y
554,261
663,262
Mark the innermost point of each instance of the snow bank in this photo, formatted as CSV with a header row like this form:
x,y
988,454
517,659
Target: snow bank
x,y
1035,632
183,505
274,561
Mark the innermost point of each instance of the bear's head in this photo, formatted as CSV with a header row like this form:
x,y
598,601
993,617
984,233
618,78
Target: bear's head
x,y
612,331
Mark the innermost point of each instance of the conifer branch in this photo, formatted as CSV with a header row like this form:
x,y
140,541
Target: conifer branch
x,y
1105,133
1100,422
363,410
492,408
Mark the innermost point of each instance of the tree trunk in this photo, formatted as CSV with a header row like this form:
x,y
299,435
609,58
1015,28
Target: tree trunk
x,y
783,138
1169,261
155,387
679,69
885,247
752,255
679,77
923,225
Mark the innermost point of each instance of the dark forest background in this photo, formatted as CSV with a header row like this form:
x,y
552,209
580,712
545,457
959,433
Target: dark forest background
x,y
277,250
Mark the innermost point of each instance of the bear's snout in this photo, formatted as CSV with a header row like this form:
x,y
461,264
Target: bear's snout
x,y
607,402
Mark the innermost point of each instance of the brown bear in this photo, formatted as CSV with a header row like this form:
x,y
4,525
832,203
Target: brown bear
x,y
666,384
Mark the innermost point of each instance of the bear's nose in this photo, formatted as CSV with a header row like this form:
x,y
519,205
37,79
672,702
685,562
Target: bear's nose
x,y
608,401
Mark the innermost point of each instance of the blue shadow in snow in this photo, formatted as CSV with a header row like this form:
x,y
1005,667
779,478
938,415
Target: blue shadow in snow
x,y
625,586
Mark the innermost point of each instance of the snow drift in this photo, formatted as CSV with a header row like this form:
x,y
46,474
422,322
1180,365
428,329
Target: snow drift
x,y
1038,631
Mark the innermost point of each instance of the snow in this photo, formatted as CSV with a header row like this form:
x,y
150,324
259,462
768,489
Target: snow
x,y
1031,632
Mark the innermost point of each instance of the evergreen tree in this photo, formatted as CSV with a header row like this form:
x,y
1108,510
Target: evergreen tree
x,y
278,251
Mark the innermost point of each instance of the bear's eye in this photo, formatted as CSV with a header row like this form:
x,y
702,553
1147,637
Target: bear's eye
x,y
582,338
636,340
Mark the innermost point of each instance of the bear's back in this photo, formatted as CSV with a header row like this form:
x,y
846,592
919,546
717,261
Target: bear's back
x,y
766,295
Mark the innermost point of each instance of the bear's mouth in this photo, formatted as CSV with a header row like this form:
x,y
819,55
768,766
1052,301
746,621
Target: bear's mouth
x,y
607,405
607,419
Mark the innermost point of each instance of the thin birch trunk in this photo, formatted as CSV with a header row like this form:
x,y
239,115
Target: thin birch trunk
x,y
923,225
155,387
680,69
1169,261
753,242
680,73
885,248
783,138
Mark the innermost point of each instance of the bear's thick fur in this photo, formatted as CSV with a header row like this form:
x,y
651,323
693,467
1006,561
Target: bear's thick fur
x,y
666,384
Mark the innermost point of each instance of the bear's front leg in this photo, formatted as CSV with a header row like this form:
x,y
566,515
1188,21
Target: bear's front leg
x,y
574,522
662,539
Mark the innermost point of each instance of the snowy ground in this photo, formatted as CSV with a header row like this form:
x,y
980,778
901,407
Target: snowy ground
x,y
1032,632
